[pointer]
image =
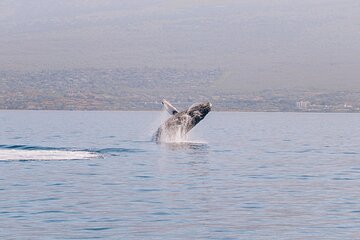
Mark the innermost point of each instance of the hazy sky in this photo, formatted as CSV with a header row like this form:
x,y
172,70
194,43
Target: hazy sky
x,y
258,43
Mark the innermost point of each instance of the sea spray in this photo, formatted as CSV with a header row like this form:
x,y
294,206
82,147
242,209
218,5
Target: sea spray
x,y
175,133
161,117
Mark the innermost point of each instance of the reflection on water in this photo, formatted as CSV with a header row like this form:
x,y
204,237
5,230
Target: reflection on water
x,y
201,147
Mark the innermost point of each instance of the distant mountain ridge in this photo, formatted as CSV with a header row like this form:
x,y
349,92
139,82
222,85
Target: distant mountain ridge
x,y
144,88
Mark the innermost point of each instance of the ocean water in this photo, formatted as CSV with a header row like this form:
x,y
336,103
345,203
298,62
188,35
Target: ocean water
x,y
97,175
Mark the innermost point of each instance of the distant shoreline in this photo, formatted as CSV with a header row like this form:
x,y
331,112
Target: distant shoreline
x,y
117,110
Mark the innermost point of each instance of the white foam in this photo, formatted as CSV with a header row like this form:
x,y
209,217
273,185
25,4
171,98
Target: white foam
x,y
194,142
17,154
176,133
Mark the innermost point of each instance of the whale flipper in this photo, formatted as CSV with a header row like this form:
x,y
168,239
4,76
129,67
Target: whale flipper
x,y
169,108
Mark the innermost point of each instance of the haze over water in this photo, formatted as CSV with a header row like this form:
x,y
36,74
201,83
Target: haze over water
x,y
258,44
244,176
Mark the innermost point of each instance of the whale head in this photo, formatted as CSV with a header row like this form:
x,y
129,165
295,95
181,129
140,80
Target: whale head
x,y
197,112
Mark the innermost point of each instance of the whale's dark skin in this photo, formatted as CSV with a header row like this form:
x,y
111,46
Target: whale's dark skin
x,y
182,122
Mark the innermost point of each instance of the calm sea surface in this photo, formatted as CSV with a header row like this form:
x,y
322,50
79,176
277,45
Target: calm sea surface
x,y
85,175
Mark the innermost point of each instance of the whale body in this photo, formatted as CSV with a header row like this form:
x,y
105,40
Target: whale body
x,y
177,126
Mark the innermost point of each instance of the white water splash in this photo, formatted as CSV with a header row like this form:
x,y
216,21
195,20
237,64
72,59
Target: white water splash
x,y
176,133
20,154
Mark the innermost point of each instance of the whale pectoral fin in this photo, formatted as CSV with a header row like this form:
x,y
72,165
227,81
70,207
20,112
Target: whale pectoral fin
x,y
169,108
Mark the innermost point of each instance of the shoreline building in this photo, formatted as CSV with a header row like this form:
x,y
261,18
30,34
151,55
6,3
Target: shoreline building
x,y
302,105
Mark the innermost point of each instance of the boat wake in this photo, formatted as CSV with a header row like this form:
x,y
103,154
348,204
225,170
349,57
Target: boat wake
x,y
29,153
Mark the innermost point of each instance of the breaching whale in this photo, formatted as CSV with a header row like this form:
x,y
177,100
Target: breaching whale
x,y
177,126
